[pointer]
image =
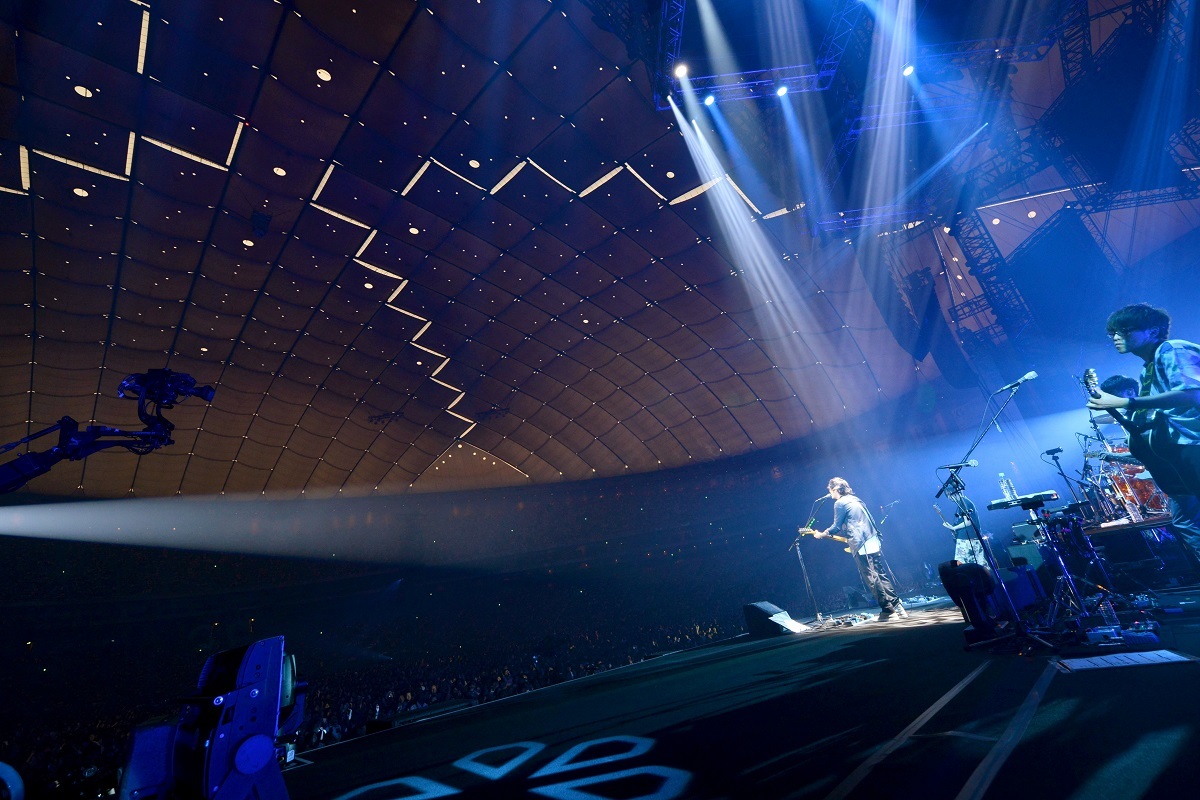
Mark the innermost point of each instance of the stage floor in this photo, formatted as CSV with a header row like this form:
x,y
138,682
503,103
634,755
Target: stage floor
x,y
879,710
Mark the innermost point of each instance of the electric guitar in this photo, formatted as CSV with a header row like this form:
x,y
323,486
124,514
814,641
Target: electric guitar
x,y
834,536
1150,443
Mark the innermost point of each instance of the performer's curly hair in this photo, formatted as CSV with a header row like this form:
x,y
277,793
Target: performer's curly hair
x,y
1139,317
841,485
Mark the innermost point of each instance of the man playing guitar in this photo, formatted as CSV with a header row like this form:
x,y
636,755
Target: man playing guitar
x,y
852,520
1164,418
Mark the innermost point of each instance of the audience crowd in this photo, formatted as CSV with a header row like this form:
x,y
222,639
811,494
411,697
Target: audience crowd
x,y
445,650
82,760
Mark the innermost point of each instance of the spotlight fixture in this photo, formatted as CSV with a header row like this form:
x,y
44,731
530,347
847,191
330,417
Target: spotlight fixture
x,y
781,91
708,101
681,71
908,70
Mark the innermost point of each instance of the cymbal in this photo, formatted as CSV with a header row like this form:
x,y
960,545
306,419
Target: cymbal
x,y
1121,458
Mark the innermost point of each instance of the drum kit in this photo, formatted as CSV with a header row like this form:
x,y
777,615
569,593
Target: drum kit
x,y
1117,493
1116,486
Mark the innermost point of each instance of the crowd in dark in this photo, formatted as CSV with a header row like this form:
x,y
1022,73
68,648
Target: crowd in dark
x,y
376,656
83,759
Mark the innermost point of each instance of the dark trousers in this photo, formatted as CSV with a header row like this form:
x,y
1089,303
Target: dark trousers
x,y
1185,501
877,579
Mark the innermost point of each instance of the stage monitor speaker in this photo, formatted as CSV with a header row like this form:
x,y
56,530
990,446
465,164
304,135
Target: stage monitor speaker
x,y
765,619
970,587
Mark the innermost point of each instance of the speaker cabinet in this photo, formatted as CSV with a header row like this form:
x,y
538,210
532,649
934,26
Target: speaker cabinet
x,y
765,619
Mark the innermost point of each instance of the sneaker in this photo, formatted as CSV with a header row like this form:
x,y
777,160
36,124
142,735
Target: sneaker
x,y
885,616
900,612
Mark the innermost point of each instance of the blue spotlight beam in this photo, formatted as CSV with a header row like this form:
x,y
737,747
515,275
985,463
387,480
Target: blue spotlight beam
x,y
756,83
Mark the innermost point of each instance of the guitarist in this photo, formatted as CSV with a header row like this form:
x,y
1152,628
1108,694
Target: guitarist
x,y
1166,411
852,520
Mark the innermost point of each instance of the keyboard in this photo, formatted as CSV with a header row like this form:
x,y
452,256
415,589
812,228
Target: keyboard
x,y
1035,500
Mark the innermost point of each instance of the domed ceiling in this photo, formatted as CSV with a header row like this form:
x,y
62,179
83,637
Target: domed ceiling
x,y
411,245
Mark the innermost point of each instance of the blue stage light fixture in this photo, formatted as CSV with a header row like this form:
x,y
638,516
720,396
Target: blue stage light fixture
x,y
908,70
781,91
708,101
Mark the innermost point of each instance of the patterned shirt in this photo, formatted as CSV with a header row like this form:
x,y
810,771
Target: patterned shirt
x,y
1176,365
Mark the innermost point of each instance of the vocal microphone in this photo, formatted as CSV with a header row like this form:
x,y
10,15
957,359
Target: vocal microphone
x,y
824,497
1053,452
889,505
1028,376
971,463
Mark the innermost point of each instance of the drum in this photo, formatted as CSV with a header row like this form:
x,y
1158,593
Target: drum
x,y
1144,491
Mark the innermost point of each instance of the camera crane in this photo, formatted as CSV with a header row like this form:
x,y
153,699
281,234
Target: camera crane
x,y
156,390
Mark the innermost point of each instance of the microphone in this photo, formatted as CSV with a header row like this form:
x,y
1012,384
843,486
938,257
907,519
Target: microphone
x,y
824,497
1028,376
1053,452
971,463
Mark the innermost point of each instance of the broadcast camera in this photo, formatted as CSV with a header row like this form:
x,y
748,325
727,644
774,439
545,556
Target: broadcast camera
x,y
230,736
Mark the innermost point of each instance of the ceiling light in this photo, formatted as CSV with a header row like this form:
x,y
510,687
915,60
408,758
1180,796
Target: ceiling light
x,y
280,171
681,71
324,75
80,191
203,349
413,231
781,91
708,101
1032,214
908,70
996,221
474,164
248,242
83,91
368,286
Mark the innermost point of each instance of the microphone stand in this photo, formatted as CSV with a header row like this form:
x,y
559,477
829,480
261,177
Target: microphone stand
x,y
1070,483
954,488
812,597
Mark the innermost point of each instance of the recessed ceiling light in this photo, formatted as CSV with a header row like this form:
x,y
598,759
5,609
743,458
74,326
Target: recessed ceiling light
x,y
996,221
324,75
670,174
413,231
248,242
280,171
368,286
474,163
1032,214
203,349
83,91
80,191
